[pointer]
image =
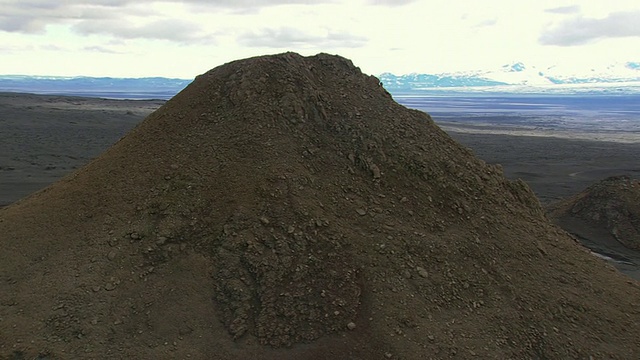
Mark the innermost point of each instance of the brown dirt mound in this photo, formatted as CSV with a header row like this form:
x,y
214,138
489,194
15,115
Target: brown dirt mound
x,y
612,204
286,207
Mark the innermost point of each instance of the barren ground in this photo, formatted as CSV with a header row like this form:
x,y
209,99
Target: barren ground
x,y
46,137
285,207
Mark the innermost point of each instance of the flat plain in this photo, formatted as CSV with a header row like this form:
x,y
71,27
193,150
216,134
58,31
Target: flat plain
x,y
43,138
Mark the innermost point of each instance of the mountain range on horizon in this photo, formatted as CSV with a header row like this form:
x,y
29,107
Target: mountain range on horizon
x,y
516,77
518,74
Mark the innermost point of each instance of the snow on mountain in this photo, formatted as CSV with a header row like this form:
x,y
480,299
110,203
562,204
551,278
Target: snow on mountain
x,y
517,77
518,74
418,81
618,72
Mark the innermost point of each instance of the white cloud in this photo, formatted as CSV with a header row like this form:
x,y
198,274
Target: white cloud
x,y
52,47
391,2
571,9
488,22
101,49
163,29
15,49
33,16
287,37
188,37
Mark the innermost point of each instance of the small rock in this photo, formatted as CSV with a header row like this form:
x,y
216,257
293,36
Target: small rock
x,y
185,330
388,355
161,240
264,220
406,274
351,325
422,272
111,255
134,236
361,212
110,286
375,170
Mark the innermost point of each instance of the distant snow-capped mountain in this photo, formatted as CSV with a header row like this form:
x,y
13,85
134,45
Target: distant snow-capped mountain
x,y
516,74
619,72
620,78
418,81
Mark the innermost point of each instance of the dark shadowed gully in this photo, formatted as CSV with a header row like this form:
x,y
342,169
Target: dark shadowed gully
x,y
285,207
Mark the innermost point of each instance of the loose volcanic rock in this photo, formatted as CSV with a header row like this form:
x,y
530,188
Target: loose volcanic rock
x,y
275,203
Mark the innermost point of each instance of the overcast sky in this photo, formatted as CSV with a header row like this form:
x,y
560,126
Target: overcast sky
x,y
138,38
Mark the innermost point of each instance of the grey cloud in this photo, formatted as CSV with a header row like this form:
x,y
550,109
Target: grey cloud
x,y
573,9
580,30
246,6
30,16
257,3
286,37
25,24
33,16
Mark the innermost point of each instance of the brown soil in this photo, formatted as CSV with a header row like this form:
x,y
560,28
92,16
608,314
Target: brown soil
x,y
612,204
285,207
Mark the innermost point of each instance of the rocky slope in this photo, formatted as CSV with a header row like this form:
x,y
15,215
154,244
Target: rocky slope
x,y
285,207
612,204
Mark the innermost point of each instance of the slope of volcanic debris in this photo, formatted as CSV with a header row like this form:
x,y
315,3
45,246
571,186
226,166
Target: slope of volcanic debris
x,y
612,204
285,207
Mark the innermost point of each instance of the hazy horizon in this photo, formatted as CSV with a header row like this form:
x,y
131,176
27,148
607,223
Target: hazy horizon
x,y
181,39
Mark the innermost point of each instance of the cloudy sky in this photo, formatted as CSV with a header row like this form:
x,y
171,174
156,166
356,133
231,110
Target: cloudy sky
x,y
173,38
